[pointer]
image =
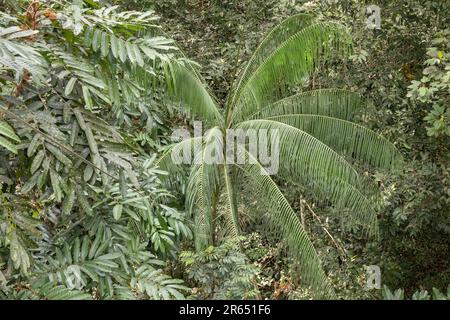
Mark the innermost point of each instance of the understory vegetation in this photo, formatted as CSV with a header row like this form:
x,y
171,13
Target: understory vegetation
x,y
93,205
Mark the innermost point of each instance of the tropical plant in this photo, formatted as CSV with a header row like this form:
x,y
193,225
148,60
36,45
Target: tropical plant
x,y
222,272
317,141
433,89
399,294
83,213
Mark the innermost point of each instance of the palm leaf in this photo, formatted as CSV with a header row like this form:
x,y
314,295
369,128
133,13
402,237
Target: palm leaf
x,y
174,152
230,213
203,184
198,204
291,63
347,138
306,160
283,221
186,87
271,42
337,103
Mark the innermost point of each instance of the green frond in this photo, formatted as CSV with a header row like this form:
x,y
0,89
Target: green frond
x,y
306,160
202,186
50,291
185,87
301,155
282,32
230,212
165,162
199,205
280,219
337,103
346,138
291,63
17,55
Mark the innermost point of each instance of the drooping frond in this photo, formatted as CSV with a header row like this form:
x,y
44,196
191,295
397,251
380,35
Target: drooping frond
x,y
182,152
346,138
188,89
283,221
291,63
201,189
337,103
230,213
198,204
305,159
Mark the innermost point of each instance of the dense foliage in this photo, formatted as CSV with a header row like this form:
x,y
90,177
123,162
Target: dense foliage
x,y
83,211
90,93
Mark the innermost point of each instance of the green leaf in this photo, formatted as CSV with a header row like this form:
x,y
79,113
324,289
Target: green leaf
x,y
37,161
69,200
54,178
117,211
8,145
138,55
87,97
70,85
130,52
34,143
105,44
114,46
96,40
7,131
58,154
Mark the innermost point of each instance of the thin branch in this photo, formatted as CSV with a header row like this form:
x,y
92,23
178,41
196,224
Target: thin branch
x,y
338,246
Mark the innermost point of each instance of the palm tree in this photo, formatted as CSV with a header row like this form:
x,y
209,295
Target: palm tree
x,y
316,140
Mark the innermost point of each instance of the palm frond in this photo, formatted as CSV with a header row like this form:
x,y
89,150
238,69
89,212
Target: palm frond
x,y
346,138
282,32
230,213
203,184
186,87
283,221
176,152
337,103
291,63
305,159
